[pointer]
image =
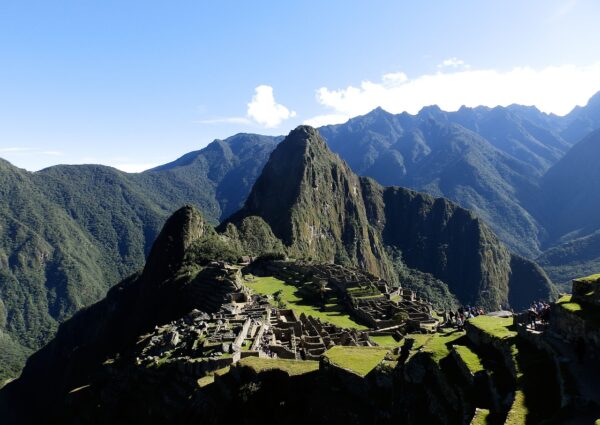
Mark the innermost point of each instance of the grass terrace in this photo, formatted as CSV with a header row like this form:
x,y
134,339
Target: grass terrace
x,y
537,391
385,341
419,340
496,327
358,360
586,312
566,303
331,312
291,367
480,417
589,279
517,415
210,378
470,358
439,344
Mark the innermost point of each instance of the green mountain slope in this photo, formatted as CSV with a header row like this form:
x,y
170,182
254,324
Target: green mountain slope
x,y
71,232
217,178
91,370
582,120
569,198
313,203
434,152
321,210
577,257
568,206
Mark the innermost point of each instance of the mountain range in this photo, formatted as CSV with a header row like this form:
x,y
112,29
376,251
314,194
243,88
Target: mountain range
x,y
320,209
306,204
72,232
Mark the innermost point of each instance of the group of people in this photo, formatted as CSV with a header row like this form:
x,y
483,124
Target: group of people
x,y
538,314
458,318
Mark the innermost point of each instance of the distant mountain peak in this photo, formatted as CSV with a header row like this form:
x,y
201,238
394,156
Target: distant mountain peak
x,y
594,100
433,112
304,134
430,109
185,226
379,111
313,202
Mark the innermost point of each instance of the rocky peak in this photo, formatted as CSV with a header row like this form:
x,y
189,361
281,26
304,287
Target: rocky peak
x,y
184,227
313,203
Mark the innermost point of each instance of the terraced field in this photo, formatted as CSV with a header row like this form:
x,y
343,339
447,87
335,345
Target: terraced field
x,y
289,296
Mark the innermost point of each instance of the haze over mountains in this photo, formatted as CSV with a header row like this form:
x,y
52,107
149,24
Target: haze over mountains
x,y
71,232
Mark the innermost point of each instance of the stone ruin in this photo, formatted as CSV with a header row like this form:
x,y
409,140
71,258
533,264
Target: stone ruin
x,y
367,298
305,337
247,325
235,323
216,285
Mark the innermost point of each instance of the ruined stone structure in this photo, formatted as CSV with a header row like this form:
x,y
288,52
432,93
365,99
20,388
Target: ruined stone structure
x,y
306,337
217,284
367,298
245,326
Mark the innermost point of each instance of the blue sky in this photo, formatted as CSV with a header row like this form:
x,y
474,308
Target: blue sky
x,y
133,84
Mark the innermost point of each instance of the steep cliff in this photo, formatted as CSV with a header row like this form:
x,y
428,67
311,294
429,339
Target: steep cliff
x,y
314,204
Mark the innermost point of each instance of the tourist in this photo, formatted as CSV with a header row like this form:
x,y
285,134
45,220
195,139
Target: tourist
x,y
532,315
460,322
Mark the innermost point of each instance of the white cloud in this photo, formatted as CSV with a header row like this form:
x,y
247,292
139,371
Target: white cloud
x,y
554,89
265,111
394,78
453,62
262,110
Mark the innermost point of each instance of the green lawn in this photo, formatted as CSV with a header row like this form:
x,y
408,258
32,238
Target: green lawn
x,y
332,313
370,297
592,278
480,417
496,327
587,312
420,340
439,344
470,358
291,367
205,381
517,415
359,360
210,378
385,341
565,302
